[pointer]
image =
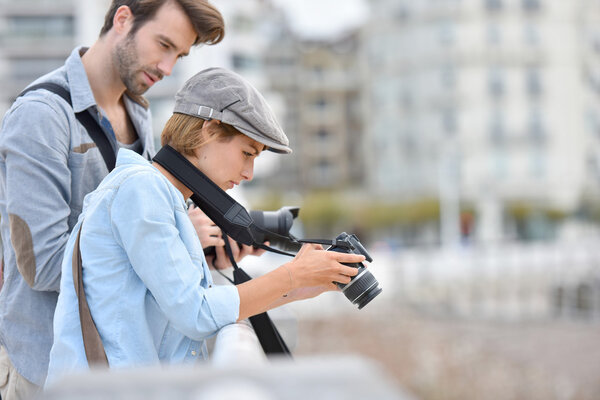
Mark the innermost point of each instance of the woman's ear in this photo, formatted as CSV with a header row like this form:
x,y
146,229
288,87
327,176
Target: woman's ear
x,y
212,122
210,127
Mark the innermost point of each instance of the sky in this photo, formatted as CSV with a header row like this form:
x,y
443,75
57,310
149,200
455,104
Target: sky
x,y
314,19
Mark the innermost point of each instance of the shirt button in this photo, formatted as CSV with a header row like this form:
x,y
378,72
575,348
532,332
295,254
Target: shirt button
x,y
194,352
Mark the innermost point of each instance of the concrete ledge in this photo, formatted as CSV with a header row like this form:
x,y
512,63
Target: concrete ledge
x,y
346,377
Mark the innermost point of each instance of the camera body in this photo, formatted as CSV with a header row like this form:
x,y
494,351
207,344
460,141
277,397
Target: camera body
x,y
363,287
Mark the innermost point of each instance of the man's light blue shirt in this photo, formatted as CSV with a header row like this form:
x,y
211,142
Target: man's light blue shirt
x,y
147,283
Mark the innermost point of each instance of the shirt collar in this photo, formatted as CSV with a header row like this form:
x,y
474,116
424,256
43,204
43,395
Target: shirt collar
x,y
81,92
128,157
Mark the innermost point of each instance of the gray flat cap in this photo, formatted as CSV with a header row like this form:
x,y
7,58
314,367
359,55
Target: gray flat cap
x,y
217,93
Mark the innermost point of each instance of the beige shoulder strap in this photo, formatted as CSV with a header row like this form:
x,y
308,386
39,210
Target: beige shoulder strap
x,y
94,350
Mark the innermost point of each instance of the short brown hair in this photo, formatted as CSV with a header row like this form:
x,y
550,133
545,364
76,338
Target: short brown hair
x,y
206,19
182,132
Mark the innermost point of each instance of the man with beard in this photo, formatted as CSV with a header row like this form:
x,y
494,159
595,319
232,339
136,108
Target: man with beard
x,y
49,162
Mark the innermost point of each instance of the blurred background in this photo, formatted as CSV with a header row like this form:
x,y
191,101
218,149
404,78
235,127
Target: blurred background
x,y
459,139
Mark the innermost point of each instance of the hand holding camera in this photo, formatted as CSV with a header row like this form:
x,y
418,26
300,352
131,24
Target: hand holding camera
x,y
313,266
211,237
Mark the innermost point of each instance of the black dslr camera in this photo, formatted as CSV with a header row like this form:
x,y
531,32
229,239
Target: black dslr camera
x,y
363,287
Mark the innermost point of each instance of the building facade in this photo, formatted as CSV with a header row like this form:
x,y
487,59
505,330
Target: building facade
x,y
483,104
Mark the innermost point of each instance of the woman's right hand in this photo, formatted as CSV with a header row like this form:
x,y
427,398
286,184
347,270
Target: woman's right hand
x,y
313,266
309,274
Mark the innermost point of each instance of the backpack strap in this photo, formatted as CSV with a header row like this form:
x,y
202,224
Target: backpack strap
x,y
94,349
85,118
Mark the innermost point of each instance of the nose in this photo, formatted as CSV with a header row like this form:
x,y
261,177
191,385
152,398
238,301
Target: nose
x,y
166,65
248,171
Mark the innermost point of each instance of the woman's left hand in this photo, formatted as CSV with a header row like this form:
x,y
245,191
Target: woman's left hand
x,y
239,251
208,233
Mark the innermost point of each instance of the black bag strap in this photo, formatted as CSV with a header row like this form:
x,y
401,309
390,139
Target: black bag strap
x,y
269,337
94,349
85,118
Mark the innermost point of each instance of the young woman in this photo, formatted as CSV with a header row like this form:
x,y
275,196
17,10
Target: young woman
x,y
145,277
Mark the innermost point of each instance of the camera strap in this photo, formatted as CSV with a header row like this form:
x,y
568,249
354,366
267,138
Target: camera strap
x,y
85,118
267,333
233,219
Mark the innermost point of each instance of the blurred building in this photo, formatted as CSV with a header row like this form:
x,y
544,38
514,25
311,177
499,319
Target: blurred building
x,y
485,104
320,82
35,37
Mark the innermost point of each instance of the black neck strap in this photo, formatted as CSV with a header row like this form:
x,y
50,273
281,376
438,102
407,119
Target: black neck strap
x,y
221,208
228,214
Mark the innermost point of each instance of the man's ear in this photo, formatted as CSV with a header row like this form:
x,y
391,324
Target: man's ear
x,y
123,20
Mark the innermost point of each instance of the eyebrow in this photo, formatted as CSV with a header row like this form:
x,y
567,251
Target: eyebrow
x,y
170,43
256,151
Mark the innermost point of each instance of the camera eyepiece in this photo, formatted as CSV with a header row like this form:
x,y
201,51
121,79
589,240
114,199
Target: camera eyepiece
x,y
363,287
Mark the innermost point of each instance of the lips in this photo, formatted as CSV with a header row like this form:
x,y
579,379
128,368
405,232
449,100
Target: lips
x,y
151,79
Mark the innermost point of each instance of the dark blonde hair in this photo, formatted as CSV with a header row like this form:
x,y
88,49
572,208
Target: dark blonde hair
x,y
206,19
183,133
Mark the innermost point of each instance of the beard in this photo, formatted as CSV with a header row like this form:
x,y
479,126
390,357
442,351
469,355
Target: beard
x,y
125,58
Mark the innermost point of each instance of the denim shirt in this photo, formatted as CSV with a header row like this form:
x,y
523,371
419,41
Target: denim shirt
x,y
48,163
145,277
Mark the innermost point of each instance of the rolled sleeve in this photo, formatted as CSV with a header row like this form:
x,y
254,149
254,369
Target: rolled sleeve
x,y
144,215
224,304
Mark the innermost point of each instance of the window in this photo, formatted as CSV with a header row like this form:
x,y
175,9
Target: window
x,y
324,172
538,163
323,134
531,35
317,71
496,82
41,26
446,33
407,100
500,163
493,5
536,127
497,134
449,124
320,104
243,61
31,68
493,34
530,5
533,82
448,76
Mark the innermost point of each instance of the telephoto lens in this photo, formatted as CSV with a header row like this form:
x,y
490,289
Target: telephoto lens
x,y
363,287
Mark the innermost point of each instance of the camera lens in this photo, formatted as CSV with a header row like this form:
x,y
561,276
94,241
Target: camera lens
x,y
278,222
362,288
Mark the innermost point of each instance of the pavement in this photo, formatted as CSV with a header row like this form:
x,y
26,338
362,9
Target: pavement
x,y
434,357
